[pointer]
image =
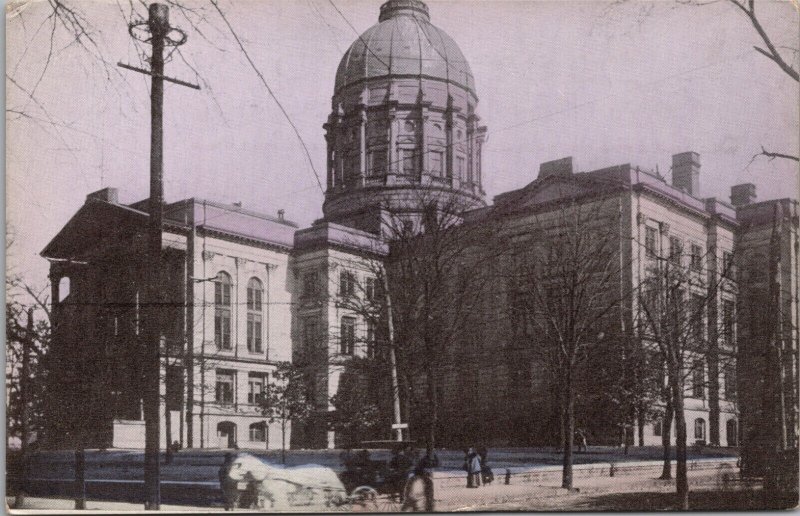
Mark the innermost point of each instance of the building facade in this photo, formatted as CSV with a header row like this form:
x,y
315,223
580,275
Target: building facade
x,y
247,290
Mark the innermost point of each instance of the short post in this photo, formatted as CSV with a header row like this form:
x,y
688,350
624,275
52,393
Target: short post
x,y
80,479
508,476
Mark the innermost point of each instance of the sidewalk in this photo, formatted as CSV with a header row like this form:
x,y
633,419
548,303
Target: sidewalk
x,y
39,505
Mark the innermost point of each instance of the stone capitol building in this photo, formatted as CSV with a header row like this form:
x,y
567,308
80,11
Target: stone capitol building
x,y
247,290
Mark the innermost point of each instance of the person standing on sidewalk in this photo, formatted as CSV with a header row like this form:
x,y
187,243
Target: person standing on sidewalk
x,y
418,495
472,465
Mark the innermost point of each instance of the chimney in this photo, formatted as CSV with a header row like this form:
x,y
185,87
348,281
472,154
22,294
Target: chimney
x,y
742,195
238,204
280,214
559,167
686,172
106,194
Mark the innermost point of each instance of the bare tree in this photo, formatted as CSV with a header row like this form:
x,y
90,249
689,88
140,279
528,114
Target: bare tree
x,y
673,304
568,284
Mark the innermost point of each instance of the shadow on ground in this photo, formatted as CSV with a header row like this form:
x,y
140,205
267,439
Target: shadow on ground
x,y
698,501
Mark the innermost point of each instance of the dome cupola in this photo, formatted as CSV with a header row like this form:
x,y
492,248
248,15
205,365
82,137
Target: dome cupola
x,y
403,123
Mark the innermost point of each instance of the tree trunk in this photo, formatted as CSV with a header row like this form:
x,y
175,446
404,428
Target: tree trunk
x,y
167,430
666,440
640,425
80,479
283,440
433,412
569,431
681,480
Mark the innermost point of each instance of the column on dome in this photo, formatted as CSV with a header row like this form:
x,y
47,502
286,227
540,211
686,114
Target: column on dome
x,y
480,138
448,130
362,143
421,137
470,149
391,172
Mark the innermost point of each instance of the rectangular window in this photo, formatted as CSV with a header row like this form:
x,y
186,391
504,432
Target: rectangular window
x,y
225,381
310,285
657,427
460,167
376,163
675,250
222,293
254,331
728,322
698,380
730,382
371,339
369,289
347,336
650,241
258,432
697,258
409,158
697,317
727,264
222,328
437,163
254,299
255,387
347,284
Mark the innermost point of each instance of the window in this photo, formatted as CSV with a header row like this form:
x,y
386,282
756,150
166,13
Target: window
x,y
697,317
369,289
310,285
258,432
254,321
224,393
437,163
727,264
255,387
675,250
347,336
697,258
700,429
650,241
347,284
409,159
730,382
376,163
460,167
657,424
728,322
371,339
222,311
698,380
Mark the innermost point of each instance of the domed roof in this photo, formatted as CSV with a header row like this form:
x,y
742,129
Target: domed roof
x,y
404,43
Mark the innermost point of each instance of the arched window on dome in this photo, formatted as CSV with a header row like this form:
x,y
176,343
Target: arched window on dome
x,y
376,162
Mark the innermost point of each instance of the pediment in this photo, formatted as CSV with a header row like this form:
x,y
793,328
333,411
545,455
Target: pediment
x,y
544,191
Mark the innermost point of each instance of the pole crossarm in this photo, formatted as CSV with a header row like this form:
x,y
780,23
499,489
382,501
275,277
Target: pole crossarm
x,y
168,79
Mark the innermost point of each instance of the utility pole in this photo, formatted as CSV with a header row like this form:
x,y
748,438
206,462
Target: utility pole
x,y
397,426
160,35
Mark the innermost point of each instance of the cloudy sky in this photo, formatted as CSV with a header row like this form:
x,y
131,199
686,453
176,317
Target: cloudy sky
x,y
606,84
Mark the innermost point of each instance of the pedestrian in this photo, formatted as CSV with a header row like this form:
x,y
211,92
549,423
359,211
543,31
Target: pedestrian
x,y
472,465
581,438
230,491
487,475
418,494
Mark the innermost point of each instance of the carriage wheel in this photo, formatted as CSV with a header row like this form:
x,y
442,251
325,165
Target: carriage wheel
x,y
363,499
389,503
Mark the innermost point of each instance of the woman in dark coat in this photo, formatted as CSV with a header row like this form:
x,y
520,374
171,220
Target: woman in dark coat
x,y
472,465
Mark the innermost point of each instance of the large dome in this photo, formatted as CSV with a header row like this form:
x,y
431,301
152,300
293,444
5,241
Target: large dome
x,y
404,43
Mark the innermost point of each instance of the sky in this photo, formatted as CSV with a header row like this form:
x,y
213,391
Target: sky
x,y
606,83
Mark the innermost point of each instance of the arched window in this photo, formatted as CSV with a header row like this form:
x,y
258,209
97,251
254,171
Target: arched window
x,y
732,432
222,311
258,432
255,292
700,429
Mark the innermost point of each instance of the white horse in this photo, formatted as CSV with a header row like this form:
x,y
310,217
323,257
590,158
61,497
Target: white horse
x,y
310,487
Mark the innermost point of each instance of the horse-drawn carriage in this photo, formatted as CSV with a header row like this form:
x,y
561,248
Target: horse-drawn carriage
x,y
376,475
373,480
